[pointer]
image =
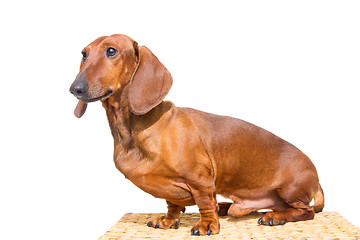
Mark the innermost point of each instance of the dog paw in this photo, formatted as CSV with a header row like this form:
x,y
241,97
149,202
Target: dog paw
x,y
164,223
271,219
206,228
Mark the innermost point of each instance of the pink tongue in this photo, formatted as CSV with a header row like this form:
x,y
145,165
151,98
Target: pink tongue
x,y
80,109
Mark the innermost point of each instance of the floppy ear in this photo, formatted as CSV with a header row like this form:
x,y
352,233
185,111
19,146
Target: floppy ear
x,y
150,83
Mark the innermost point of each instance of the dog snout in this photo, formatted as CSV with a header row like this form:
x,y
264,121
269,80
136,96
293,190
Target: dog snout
x,y
79,87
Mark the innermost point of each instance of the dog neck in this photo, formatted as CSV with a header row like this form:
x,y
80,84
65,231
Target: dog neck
x,y
119,116
130,131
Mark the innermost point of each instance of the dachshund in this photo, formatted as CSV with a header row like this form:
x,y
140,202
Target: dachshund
x,y
186,156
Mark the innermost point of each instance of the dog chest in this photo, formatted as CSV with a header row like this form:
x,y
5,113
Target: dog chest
x,y
171,189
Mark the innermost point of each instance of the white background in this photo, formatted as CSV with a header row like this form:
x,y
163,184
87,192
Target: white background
x,y
290,67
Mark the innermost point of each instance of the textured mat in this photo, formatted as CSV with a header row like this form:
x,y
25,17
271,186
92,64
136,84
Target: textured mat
x,y
326,225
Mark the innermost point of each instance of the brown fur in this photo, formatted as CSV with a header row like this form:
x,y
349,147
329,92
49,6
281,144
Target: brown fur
x,y
187,156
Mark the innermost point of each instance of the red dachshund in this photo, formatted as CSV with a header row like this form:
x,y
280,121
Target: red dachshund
x,y
187,156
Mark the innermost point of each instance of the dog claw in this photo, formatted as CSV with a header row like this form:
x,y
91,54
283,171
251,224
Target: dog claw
x,y
195,232
157,225
176,226
149,224
271,222
209,232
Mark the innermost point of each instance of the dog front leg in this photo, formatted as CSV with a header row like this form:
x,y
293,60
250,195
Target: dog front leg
x,y
205,199
170,220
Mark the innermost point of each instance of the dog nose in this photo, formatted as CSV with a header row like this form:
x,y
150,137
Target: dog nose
x,y
79,88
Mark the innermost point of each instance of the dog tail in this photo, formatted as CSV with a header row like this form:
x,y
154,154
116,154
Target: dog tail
x,y
319,200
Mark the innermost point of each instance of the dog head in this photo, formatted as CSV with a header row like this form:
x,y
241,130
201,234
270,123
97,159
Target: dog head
x,y
112,62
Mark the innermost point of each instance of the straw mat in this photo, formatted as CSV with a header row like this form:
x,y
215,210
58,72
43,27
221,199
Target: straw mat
x,y
326,225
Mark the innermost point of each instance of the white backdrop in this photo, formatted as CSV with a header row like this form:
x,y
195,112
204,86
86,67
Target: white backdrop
x,y
291,67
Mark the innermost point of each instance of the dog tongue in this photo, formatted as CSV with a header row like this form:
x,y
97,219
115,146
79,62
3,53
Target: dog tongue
x,y
80,109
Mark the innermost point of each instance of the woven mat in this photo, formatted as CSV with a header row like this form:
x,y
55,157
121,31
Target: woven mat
x,y
326,225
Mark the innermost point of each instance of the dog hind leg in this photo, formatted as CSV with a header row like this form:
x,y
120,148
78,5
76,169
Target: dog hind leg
x,y
299,208
237,210
234,209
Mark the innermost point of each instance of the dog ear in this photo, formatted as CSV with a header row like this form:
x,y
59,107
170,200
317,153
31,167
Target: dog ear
x,y
150,83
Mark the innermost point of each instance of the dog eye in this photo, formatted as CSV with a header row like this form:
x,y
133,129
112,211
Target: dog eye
x,y
110,52
84,55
